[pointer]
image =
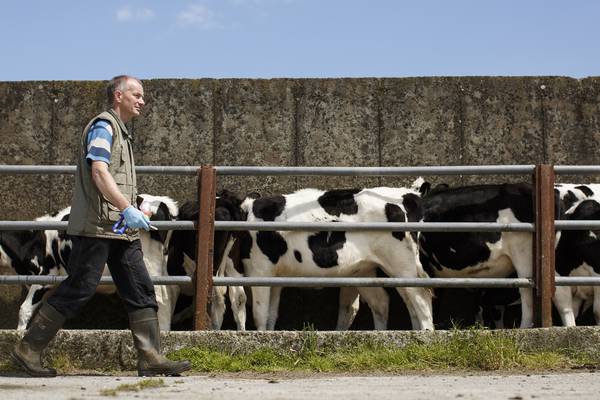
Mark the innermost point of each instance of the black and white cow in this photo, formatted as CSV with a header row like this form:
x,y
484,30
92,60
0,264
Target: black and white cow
x,y
332,254
568,194
35,253
578,254
481,254
28,252
182,256
56,247
496,254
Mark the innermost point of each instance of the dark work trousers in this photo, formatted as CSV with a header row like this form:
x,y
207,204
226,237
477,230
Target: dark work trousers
x,y
86,263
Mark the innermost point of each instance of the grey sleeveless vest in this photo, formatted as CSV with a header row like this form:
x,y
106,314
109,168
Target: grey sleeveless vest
x,y
91,214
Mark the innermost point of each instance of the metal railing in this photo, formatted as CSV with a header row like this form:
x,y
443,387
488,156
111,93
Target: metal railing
x,y
318,226
206,226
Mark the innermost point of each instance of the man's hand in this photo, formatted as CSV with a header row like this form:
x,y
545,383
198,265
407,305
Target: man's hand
x,y
135,219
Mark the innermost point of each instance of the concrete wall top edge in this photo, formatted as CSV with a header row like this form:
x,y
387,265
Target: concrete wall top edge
x,y
321,78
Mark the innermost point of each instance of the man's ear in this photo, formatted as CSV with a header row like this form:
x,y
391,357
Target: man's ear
x,y
118,96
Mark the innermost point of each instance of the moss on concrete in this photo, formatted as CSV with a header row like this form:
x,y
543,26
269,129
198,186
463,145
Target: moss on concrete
x,y
75,350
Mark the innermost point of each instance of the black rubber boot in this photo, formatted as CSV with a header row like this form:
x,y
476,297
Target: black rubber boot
x,y
27,354
146,338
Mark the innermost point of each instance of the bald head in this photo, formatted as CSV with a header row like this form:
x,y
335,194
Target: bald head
x,y
126,96
120,83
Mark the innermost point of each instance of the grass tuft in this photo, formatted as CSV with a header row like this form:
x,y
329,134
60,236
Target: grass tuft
x,y
133,387
63,363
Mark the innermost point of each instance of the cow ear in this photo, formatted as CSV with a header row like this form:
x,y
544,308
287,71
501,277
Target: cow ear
x,y
139,200
164,212
425,188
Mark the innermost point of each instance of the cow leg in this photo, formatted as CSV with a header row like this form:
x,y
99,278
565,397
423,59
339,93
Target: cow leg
x,y
577,302
274,307
174,291
348,307
522,262
261,295
237,297
417,300
418,303
217,307
260,306
164,307
217,304
379,302
563,300
597,304
499,323
189,265
526,307
30,304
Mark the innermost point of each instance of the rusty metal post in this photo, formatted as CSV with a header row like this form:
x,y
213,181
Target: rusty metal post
x,y
543,245
205,231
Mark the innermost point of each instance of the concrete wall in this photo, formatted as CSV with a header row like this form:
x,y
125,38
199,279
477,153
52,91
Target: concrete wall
x,y
331,122
306,122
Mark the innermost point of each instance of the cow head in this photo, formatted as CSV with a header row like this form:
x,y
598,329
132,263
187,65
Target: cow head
x,y
24,251
36,252
227,208
425,188
161,208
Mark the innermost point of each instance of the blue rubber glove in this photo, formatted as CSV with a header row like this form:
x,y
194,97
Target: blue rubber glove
x,y
135,219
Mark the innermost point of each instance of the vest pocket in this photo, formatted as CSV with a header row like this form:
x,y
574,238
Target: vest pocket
x,y
120,179
110,212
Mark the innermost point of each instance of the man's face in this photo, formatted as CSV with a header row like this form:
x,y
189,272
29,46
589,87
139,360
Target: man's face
x,y
130,100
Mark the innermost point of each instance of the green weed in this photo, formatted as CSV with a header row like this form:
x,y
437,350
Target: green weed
x,y
473,351
133,387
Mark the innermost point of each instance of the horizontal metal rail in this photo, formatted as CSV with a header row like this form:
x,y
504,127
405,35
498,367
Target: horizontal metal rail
x,y
577,169
291,171
70,170
37,169
577,281
327,226
62,225
324,171
324,282
378,171
375,226
303,226
297,281
576,225
376,282
105,280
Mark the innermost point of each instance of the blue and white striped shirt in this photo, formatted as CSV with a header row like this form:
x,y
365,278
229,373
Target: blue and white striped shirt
x,y
99,142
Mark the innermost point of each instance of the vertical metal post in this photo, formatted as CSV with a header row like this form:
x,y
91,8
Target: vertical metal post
x,y
543,244
205,231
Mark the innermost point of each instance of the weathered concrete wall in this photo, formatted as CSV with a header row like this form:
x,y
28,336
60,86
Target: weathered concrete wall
x,y
333,122
305,122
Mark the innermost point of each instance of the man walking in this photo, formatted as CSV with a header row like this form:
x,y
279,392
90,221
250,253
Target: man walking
x,y
105,190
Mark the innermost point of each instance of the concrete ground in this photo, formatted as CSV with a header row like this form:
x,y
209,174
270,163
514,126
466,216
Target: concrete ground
x,y
563,386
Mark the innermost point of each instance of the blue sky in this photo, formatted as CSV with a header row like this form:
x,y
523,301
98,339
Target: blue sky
x,y
95,40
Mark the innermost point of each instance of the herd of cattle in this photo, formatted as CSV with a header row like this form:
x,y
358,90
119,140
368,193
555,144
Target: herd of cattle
x,y
352,253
